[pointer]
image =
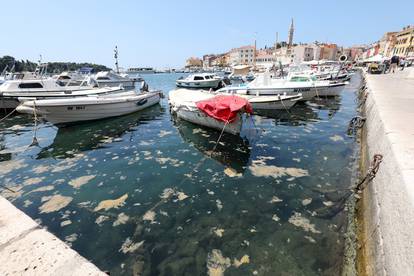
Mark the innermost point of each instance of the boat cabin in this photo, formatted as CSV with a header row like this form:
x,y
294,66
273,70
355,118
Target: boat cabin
x,y
201,77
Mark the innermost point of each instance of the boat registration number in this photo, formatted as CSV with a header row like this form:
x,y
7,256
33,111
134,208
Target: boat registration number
x,y
301,89
78,107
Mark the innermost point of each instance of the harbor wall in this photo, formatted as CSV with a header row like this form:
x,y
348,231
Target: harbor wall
x,y
386,242
28,249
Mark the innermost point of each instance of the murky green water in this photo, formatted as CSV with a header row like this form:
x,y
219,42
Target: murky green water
x,y
145,194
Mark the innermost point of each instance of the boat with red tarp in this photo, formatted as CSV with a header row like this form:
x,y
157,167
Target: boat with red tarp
x,y
221,112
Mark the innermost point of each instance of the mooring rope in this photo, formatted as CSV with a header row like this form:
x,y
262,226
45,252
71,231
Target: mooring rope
x,y
8,115
284,106
34,140
7,188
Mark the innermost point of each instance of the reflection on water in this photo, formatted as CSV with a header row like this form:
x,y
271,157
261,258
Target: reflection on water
x,y
232,151
140,194
73,139
299,114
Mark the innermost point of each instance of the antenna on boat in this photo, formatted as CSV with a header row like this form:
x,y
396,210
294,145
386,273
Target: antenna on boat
x,y
116,59
254,53
275,52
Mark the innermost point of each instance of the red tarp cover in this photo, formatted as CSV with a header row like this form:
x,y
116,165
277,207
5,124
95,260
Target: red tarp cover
x,y
224,108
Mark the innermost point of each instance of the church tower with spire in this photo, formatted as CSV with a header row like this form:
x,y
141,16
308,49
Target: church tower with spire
x,y
290,38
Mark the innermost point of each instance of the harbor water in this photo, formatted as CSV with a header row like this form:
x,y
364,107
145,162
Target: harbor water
x,y
148,194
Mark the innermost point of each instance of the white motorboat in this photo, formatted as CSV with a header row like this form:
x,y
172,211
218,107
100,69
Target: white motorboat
x,y
202,81
70,110
11,90
73,78
332,72
262,101
304,84
186,105
111,79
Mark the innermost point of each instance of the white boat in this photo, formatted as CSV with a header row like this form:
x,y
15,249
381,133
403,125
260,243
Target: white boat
x,y
70,110
184,104
262,101
333,72
111,79
202,81
11,90
304,84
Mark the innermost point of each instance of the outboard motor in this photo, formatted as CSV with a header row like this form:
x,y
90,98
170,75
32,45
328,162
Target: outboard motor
x,y
226,81
144,87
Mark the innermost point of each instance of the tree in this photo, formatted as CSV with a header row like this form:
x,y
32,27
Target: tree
x,y
52,67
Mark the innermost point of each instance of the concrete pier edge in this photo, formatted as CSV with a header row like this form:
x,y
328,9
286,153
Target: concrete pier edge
x,y
387,214
28,249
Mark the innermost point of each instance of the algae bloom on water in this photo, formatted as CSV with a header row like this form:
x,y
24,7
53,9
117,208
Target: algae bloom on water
x,y
111,203
55,203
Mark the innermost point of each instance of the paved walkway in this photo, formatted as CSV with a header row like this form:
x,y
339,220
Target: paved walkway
x,y
389,199
394,96
27,249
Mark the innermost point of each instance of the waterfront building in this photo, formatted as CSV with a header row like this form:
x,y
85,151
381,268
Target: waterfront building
x,y
404,45
220,60
357,51
265,58
328,51
242,55
386,44
301,53
371,50
208,60
193,62
316,50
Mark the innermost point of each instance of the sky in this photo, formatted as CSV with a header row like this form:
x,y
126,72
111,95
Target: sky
x,y
164,33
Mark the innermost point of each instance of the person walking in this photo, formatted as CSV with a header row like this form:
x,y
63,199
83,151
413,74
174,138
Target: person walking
x,y
402,64
394,63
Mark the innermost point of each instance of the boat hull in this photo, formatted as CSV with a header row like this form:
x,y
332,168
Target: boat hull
x,y
200,118
125,84
333,90
273,104
198,84
307,93
70,113
11,100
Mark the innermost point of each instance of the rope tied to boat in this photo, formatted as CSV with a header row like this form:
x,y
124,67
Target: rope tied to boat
x,y
284,106
35,142
8,115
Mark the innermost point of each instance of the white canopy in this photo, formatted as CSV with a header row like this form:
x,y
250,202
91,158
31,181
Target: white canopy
x,y
241,70
376,58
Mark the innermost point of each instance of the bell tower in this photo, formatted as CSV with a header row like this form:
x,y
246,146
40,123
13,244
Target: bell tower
x,y
291,31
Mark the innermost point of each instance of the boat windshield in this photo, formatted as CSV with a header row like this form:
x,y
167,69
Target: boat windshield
x,y
198,78
300,79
